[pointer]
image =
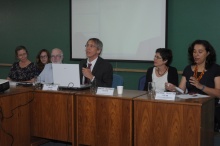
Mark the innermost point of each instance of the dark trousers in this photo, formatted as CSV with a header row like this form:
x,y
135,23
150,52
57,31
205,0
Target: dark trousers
x,y
217,115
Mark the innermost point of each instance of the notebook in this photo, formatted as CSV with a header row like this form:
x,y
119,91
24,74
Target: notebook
x,y
67,76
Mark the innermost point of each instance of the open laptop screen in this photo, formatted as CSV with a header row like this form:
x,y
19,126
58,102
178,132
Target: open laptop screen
x,y
66,75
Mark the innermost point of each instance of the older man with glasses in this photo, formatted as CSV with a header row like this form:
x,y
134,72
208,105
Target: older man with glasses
x,y
56,56
95,68
46,75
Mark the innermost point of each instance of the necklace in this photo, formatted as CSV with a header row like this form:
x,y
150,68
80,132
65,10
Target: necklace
x,y
163,72
195,74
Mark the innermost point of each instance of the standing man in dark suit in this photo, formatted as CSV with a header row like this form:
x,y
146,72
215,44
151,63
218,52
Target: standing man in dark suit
x,y
95,67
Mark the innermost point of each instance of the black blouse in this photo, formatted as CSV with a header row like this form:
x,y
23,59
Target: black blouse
x,y
207,79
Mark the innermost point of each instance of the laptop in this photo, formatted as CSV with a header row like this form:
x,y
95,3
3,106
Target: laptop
x,y
67,76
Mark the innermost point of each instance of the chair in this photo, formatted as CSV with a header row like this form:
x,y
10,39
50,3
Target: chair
x,y
117,81
141,83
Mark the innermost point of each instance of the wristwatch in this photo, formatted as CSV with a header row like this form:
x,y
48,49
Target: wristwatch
x,y
92,79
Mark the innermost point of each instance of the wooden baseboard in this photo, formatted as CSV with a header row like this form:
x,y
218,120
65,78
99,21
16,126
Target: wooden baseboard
x,y
35,141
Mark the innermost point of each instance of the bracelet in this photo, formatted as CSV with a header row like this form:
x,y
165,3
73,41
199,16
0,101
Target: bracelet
x,y
203,87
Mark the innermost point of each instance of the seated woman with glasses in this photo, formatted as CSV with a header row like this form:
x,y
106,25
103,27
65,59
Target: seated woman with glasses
x,y
23,70
43,58
161,72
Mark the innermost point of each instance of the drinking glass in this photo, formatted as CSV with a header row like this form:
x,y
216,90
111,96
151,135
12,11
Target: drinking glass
x,y
37,82
93,87
151,88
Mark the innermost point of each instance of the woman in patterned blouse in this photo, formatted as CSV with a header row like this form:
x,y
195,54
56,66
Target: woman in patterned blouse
x,y
22,70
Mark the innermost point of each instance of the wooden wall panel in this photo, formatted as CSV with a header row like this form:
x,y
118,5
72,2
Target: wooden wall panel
x,y
15,120
52,116
104,121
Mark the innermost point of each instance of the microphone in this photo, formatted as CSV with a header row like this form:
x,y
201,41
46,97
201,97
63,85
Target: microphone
x,y
84,65
84,78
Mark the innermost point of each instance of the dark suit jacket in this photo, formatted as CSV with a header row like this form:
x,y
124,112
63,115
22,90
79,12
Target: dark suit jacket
x,y
102,71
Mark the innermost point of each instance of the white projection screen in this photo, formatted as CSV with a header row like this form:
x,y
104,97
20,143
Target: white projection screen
x,y
129,29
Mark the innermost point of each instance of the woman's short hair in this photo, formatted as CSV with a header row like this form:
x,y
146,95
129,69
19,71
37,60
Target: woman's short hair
x,y
18,48
210,59
166,55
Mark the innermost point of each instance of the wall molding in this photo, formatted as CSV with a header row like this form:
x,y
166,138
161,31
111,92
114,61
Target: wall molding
x,y
115,69
135,70
5,64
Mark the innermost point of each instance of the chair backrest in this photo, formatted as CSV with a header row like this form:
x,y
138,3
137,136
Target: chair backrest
x,y
117,81
141,83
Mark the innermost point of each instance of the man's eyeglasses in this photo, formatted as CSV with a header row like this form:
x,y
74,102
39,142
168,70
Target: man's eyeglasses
x,y
91,46
56,56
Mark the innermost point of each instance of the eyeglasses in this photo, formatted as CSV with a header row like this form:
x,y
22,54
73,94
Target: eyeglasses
x,y
56,56
157,57
91,46
42,57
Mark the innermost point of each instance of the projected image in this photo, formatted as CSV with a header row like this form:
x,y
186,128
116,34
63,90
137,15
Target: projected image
x,y
129,30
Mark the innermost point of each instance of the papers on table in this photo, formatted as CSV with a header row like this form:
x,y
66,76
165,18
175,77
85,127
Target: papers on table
x,y
186,96
172,95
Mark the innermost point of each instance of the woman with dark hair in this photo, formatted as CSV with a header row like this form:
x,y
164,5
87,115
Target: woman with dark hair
x,y
43,57
162,72
202,75
23,69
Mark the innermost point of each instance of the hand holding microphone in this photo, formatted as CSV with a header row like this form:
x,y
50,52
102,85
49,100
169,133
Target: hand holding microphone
x,y
87,72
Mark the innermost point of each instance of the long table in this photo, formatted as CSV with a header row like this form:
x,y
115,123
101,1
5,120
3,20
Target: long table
x,y
52,115
83,118
183,122
105,120
14,117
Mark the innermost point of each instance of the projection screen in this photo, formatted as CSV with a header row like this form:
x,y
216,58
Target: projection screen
x,y
129,29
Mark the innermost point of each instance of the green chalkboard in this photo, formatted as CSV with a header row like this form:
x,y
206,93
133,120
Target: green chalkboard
x,y
46,24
